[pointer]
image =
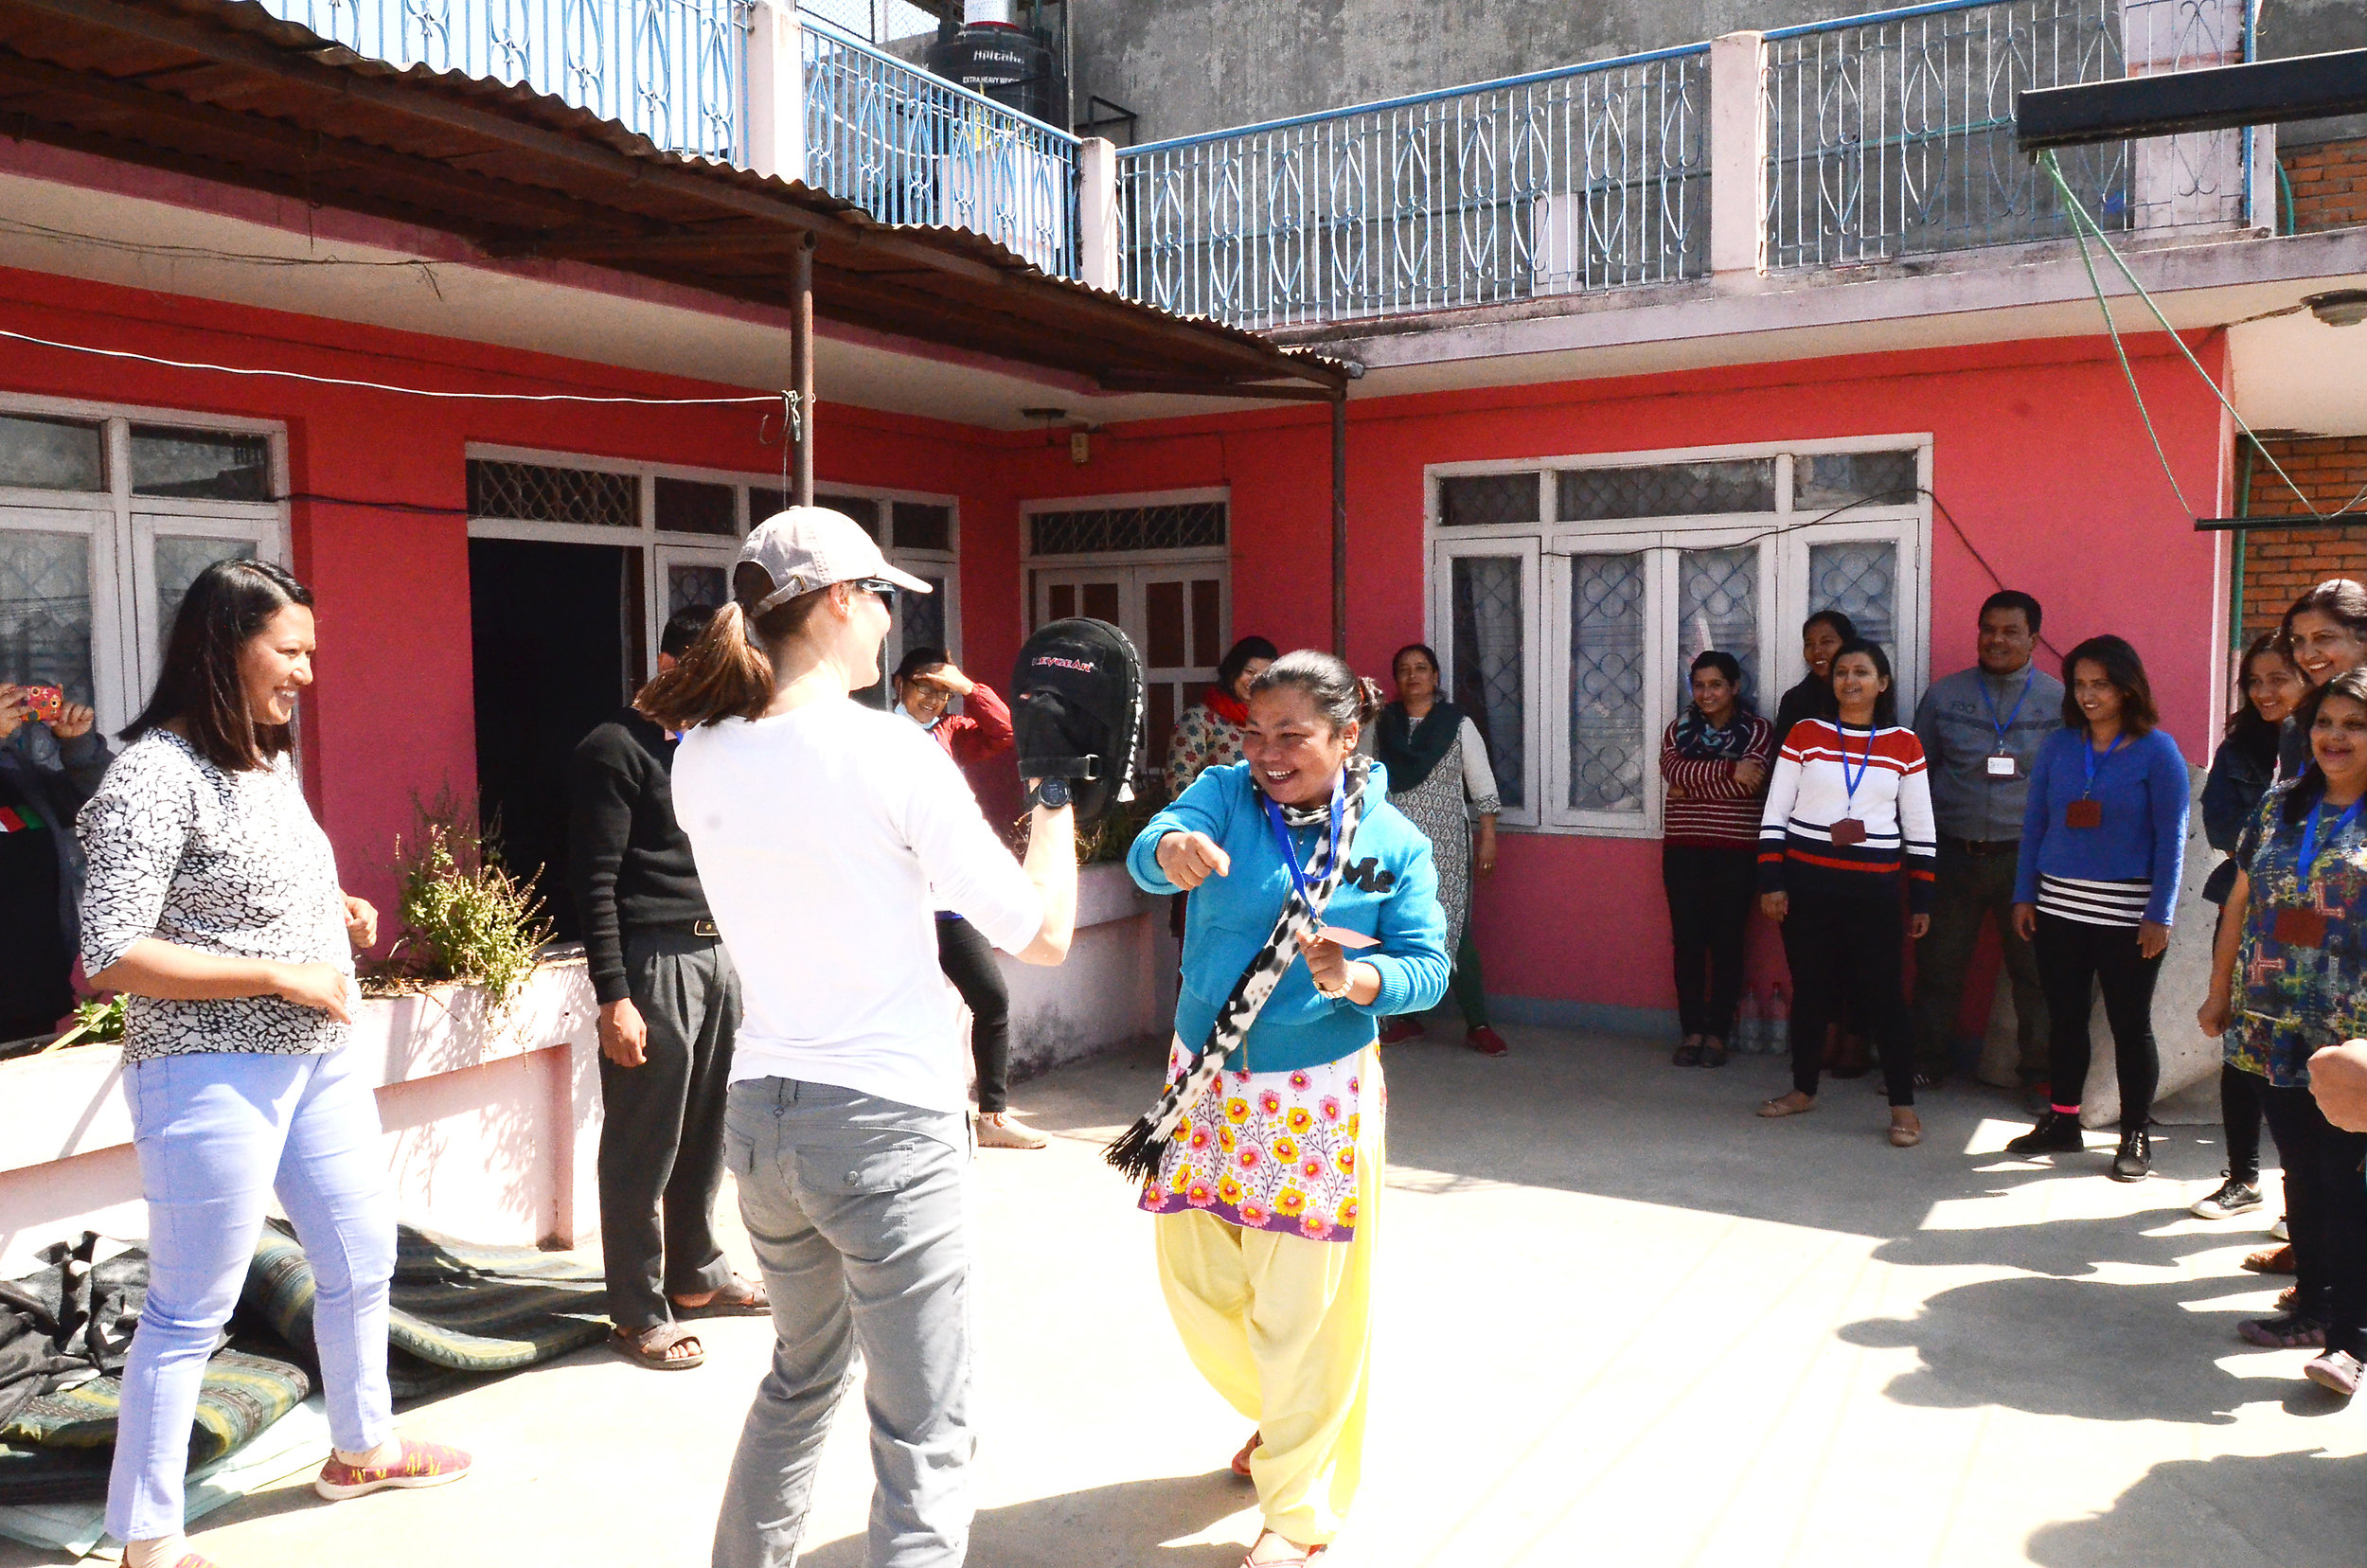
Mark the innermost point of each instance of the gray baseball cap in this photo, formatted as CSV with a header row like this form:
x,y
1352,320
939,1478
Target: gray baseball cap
x,y
809,548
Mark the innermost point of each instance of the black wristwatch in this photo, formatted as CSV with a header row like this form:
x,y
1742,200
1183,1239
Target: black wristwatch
x,y
1050,794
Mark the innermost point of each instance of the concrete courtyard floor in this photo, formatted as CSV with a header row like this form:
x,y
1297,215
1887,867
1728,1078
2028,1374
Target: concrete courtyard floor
x,y
1623,1322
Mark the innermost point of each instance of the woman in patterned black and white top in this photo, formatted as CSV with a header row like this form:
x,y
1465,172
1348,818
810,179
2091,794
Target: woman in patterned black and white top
x,y
212,904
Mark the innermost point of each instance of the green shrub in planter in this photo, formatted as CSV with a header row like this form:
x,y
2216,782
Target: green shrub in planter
x,y
465,917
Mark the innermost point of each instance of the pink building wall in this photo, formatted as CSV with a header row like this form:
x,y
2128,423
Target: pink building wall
x,y
2038,454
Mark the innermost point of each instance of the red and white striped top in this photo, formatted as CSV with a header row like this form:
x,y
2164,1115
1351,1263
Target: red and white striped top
x,y
1715,812
1811,793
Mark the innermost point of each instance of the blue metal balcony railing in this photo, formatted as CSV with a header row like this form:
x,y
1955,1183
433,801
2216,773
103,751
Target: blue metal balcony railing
x,y
1893,134
1590,177
673,70
912,148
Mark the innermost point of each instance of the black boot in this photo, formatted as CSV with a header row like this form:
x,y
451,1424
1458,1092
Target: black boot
x,y
2057,1134
2134,1162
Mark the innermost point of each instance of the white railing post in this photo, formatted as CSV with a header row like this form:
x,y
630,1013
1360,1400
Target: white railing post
x,y
1737,155
776,91
2195,180
1097,213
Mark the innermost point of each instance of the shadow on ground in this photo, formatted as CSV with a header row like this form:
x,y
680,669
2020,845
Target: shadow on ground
x,y
2233,1511
1088,1527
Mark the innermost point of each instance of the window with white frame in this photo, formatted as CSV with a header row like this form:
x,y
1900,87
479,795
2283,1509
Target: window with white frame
x,y
1568,598
107,515
688,524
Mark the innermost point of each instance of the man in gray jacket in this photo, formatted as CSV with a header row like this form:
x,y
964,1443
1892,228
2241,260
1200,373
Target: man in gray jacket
x,y
1979,729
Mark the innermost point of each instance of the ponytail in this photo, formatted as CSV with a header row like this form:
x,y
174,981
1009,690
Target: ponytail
x,y
728,672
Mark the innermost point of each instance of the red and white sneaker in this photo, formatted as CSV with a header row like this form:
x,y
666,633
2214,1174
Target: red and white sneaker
x,y
422,1465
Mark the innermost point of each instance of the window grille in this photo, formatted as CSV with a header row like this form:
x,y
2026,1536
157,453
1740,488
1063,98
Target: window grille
x,y
691,505
1607,739
1717,607
200,465
922,527
1490,665
1861,581
539,492
60,454
1667,490
1470,501
1827,480
1192,525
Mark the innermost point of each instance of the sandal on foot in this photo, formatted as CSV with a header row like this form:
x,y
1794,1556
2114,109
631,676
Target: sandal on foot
x,y
1781,1106
998,1131
654,1346
1240,1460
1688,1053
738,1297
1303,1556
1906,1134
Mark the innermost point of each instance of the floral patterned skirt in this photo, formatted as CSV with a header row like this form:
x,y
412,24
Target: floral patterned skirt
x,y
1274,1152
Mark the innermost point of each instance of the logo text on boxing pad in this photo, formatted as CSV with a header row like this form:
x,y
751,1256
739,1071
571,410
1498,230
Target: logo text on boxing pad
x,y
1082,666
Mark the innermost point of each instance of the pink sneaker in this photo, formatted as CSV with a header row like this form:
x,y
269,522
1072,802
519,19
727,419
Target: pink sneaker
x,y
422,1465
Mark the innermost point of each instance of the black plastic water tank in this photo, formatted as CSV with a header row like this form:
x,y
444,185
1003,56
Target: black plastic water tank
x,y
1007,63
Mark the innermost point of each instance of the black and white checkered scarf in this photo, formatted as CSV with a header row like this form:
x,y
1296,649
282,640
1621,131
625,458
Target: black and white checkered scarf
x,y
1137,1151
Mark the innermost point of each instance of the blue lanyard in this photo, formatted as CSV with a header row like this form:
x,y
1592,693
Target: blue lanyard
x,y
1990,702
1282,835
2088,752
2309,834
1849,781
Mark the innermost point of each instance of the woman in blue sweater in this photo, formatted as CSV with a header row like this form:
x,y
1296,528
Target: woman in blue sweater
x,y
1314,912
2103,846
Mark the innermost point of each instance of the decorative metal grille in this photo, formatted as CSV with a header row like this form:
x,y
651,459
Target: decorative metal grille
x,y
1193,526
692,582
1717,607
910,148
1824,480
672,70
923,614
178,561
1474,500
1588,177
542,493
1666,489
1607,742
1491,663
211,465
1861,581
45,610
1893,134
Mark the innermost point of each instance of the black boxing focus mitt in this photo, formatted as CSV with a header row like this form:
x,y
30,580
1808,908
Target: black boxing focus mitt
x,y
1076,711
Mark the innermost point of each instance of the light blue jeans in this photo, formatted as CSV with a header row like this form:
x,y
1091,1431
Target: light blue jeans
x,y
218,1133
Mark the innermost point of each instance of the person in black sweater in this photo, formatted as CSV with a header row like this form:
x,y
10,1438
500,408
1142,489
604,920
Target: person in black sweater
x,y
669,1005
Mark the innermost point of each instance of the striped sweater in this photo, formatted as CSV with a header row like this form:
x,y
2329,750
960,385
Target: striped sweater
x,y
1810,792
1715,812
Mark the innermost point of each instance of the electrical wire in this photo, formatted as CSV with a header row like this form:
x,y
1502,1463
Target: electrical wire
x,y
2082,226
171,252
385,386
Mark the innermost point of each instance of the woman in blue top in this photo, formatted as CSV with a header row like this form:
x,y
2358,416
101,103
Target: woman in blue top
x,y
1314,912
2103,846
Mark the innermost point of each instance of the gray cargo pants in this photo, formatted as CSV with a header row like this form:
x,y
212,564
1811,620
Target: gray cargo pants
x,y
858,1209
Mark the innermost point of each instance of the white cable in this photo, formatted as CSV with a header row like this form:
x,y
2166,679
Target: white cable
x,y
383,386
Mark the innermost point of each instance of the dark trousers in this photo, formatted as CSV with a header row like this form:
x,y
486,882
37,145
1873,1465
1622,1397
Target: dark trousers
x,y
2240,1113
1467,984
968,959
2326,1208
1852,951
662,1142
1968,891
1709,893
2075,958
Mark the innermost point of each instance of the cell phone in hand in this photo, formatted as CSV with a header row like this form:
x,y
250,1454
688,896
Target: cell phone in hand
x,y
47,702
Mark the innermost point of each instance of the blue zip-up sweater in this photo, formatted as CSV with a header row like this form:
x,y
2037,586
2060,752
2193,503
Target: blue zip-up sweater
x,y
2144,789
1390,892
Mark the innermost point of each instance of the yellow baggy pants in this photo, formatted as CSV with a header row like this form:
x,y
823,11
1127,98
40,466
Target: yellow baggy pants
x,y
1281,1327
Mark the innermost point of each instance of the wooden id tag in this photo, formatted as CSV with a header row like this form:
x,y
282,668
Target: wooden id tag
x,y
2084,813
1848,830
1347,938
2301,928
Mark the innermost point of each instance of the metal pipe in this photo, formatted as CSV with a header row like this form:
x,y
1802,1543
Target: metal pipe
x,y
801,368
1340,523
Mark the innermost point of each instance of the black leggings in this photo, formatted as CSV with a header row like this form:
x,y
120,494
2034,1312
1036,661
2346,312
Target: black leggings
x,y
2325,1207
2240,1113
968,959
1709,893
2074,960
1851,950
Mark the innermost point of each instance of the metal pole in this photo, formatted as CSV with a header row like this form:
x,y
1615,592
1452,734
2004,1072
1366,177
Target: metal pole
x,y
1340,523
801,368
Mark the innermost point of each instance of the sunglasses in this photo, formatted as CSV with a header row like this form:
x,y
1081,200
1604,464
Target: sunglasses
x,y
881,586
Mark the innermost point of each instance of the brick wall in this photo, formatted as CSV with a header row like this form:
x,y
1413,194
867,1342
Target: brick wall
x,y
2281,563
2329,184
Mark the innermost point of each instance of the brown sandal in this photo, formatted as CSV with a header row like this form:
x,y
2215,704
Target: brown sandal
x,y
1240,1460
654,1346
737,1298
